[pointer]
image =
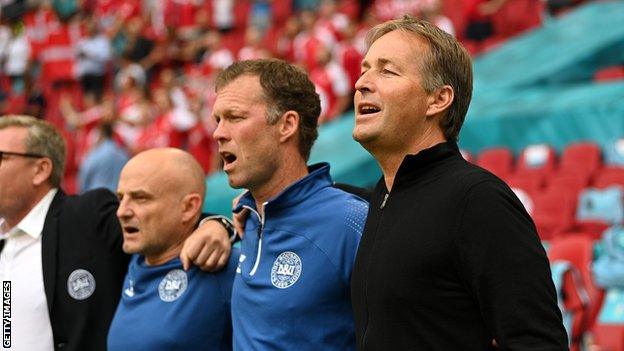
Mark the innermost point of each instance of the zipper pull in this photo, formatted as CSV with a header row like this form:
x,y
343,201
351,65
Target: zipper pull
x,y
383,203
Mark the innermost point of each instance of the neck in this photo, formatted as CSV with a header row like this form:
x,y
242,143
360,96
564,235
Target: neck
x,y
12,218
163,257
288,173
390,159
170,253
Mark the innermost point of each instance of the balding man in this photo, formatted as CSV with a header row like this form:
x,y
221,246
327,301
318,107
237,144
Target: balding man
x,y
161,192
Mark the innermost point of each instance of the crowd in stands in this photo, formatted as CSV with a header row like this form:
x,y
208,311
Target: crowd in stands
x,y
148,66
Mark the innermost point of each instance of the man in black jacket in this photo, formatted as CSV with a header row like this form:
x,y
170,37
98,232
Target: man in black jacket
x,y
61,254
449,258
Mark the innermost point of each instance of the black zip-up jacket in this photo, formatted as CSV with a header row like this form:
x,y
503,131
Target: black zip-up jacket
x,y
450,260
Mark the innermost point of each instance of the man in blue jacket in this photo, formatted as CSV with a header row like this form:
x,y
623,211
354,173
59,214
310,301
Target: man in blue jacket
x,y
291,290
161,192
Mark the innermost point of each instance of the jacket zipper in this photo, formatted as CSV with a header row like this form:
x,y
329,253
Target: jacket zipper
x,y
260,230
381,207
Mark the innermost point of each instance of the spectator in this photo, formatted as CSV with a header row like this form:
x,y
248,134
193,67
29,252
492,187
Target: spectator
x,y
102,165
94,55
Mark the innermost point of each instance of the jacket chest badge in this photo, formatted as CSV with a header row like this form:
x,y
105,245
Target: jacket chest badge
x,y
80,284
286,270
173,285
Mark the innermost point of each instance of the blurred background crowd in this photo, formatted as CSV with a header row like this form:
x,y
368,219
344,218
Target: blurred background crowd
x,y
128,75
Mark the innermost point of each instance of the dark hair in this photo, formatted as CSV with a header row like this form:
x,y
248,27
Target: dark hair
x,y
447,63
285,88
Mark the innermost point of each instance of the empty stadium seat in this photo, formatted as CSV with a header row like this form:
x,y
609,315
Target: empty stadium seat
x,y
609,176
609,74
530,183
579,251
553,213
497,160
572,183
598,209
538,158
583,158
609,328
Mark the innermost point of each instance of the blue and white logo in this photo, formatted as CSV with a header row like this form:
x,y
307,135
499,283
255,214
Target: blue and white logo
x,y
286,270
80,284
241,259
173,285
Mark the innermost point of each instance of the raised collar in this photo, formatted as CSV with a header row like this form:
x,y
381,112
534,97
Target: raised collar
x,y
318,177
414,166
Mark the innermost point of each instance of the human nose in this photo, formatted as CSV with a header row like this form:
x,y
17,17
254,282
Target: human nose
x,y
364,84
220,133
124,210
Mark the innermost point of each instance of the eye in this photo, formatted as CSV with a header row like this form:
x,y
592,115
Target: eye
x,y
387,71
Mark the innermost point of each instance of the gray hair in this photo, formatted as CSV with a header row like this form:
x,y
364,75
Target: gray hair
x,y
42,139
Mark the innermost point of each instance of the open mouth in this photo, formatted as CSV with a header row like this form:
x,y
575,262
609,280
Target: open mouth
x,y
367,109
228,158
130,229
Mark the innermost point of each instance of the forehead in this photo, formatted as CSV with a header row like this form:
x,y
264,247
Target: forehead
x,y
142,176
242,92
13,139
397,47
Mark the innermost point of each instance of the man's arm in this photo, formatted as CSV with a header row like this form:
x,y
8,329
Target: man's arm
x,y
505,268
210,245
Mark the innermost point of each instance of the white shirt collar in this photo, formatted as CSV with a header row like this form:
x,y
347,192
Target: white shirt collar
x,y
33,223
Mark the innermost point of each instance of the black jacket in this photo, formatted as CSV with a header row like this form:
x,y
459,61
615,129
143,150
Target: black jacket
x,y
449,260
82,234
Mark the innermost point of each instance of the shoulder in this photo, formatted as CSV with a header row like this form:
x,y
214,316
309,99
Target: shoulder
x,y
341,209
469,179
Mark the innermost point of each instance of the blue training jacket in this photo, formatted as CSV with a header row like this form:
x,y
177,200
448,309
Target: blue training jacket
x,y
165,308
292,287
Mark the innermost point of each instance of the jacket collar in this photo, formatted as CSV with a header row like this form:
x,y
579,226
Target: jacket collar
x,y
317,178
49,247
414,166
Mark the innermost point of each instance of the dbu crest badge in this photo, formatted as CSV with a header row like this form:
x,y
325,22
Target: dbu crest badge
x,y
173,285
80,284
286,270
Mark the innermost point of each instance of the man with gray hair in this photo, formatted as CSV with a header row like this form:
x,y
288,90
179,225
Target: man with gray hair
x,y
61,256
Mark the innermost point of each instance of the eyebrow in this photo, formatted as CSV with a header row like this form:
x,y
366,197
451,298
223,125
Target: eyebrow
x,y
380,62
135,193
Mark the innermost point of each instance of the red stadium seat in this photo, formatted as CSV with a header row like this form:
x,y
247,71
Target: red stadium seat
x,y
497,160
609,337
572,183
537,160
553,213
531,183
609,73
583,158
609,176
579,251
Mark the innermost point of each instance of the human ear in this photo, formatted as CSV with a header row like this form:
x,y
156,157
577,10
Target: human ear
x,y
440,100
191,206
288,125
42,170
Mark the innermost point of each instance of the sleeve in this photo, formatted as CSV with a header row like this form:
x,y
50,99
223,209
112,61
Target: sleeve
x,y
107,227
342,248
506,269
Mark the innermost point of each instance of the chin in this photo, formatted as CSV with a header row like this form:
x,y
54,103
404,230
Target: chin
x,y
130,249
